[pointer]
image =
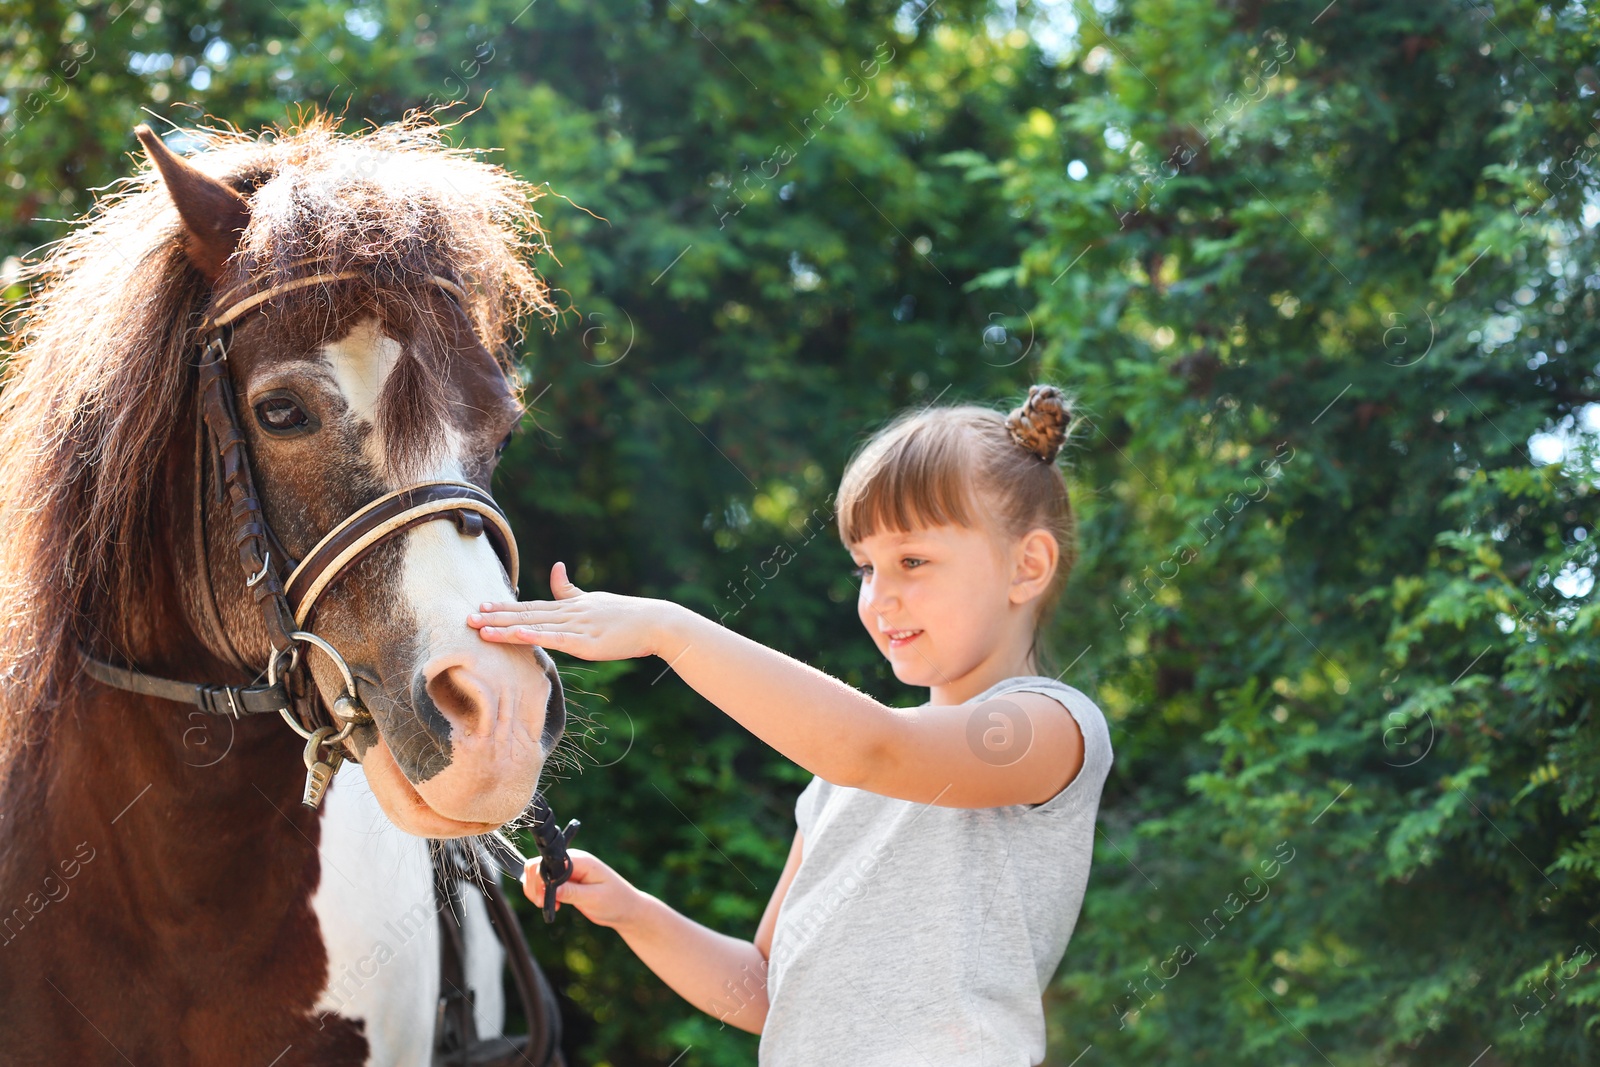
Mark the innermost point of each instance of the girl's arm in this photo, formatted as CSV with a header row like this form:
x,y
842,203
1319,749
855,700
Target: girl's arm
x,y
720,975
1022,749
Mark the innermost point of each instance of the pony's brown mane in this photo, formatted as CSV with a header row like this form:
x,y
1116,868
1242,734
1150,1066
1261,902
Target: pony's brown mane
x,y
98,366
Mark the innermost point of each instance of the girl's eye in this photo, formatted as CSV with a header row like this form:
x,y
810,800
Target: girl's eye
x,y
862,572
281,414
912,561
503,445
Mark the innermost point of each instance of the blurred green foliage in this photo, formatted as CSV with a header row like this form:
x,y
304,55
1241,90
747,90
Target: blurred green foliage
x,y
1324,277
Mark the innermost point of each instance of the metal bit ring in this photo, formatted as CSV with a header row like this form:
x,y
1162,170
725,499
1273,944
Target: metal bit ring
x,y
332,653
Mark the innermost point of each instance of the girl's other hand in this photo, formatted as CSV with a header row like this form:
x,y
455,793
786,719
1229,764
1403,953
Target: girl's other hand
x,y
593,626
600,893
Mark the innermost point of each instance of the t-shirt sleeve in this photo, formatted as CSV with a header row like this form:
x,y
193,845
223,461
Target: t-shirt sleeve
x,y
1086,785
806,805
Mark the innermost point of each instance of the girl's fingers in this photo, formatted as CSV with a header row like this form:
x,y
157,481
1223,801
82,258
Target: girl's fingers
x,y
585,866
561,641
549,616
583,897
581,646
512,618
588,875
524,607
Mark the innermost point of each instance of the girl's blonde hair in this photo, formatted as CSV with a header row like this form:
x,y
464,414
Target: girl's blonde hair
x,y
963,464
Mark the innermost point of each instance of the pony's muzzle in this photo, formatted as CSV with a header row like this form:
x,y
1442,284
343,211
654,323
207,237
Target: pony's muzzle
x,y
502,711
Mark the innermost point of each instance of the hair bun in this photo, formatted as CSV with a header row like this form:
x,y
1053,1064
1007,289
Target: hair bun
x,y
1040,423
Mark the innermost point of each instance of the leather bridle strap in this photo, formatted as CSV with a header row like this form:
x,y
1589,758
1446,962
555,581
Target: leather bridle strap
x,y
473,510
232,311
250,525
234,701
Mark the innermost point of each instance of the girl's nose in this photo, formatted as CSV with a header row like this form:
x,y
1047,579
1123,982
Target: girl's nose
x,y
879,597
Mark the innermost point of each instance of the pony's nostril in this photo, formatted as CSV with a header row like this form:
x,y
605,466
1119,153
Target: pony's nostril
x,y
456,698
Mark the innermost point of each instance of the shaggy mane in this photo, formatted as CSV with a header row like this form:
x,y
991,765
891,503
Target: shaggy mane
x,y
98,367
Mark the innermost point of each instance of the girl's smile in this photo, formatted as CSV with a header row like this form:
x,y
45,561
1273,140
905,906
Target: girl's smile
x,y
901,638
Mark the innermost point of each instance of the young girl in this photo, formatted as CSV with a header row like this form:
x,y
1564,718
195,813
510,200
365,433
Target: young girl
x,y
942,851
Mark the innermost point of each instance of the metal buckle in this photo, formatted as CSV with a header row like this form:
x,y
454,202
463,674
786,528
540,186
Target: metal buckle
x,y
213,697
266,563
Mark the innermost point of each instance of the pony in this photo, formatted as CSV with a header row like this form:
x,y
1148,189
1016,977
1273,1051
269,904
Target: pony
x,y
165,895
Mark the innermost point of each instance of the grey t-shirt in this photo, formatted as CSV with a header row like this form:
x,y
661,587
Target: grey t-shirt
x,y
924,936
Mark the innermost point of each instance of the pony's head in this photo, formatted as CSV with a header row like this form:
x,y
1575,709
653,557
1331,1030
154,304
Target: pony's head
x,y
383,374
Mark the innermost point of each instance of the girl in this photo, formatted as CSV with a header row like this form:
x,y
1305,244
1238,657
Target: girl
x,y
941,851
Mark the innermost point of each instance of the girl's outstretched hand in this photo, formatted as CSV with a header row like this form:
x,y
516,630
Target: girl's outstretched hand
x,y
604,896
591,626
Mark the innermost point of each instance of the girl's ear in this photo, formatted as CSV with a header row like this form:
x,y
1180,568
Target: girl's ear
x,y
1034,565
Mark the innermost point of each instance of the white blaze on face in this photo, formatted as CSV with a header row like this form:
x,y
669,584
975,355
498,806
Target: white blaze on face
x,y
446,575
496,736
361,362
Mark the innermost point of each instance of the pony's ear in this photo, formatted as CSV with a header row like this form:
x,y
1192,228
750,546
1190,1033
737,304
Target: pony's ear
x,y
213,214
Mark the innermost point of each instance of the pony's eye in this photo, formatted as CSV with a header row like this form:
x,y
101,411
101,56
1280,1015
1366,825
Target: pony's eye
x,y
503,445
282,414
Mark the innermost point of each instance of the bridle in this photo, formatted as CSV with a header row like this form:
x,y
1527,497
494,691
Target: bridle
x,y
288,609
288,605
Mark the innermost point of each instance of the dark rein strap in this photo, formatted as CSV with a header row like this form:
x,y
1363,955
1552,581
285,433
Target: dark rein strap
x,y
261,572
456,1040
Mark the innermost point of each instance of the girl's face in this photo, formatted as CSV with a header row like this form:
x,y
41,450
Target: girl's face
x,y
941,604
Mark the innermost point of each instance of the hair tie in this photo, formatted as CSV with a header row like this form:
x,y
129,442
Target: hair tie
x,y
1040,423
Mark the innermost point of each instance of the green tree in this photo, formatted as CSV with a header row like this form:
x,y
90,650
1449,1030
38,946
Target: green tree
x,y
1327,274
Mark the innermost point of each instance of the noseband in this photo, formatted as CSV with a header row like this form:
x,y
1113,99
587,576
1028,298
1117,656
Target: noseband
x,y
288,606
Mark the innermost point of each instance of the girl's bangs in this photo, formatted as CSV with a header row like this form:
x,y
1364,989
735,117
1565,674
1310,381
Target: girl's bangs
x,y
909,481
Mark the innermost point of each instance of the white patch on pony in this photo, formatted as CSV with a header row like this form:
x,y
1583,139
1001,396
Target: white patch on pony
x,y
379,919
361,362
485,964
446,576
375,905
